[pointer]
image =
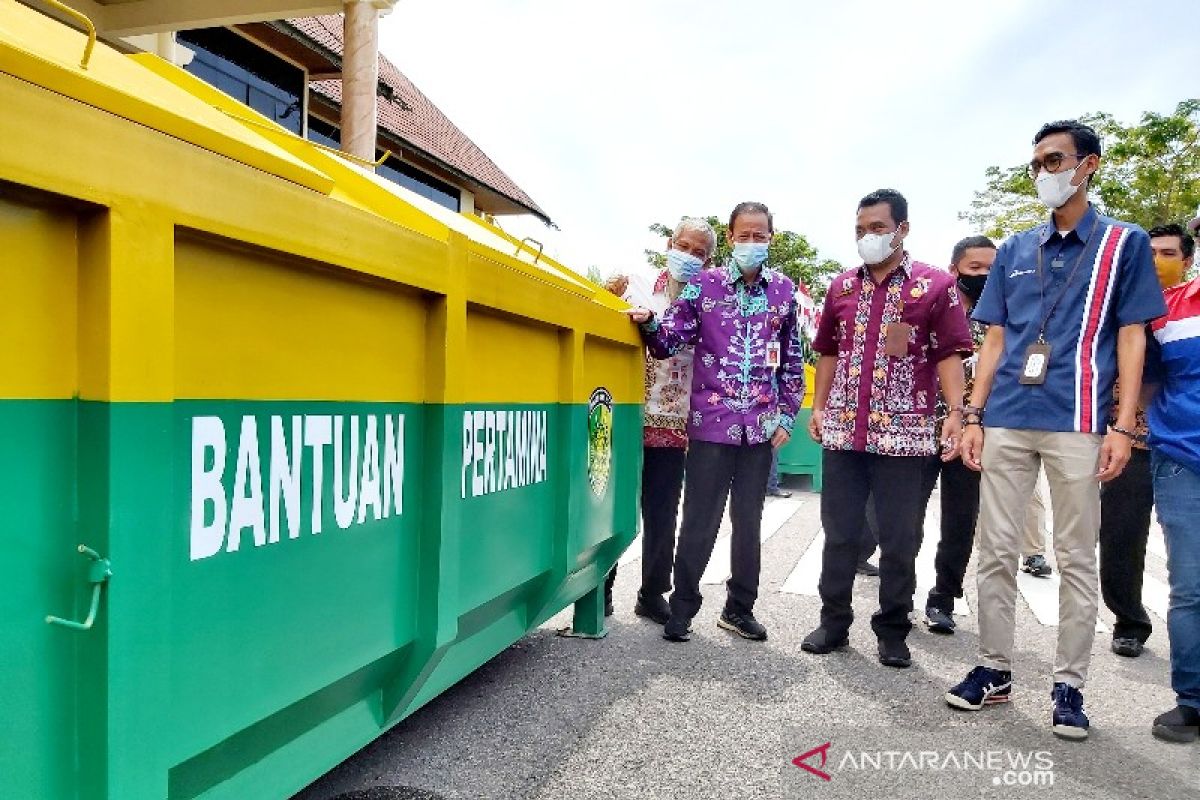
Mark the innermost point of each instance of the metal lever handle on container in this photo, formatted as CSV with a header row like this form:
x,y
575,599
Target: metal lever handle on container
x,y
99,571
83,20
540,248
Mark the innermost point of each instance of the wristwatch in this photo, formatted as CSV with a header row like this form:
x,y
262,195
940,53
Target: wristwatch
x,y
1124,432
972,415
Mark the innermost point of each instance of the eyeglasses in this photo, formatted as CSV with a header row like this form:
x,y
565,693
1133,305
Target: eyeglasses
x,y
1052,163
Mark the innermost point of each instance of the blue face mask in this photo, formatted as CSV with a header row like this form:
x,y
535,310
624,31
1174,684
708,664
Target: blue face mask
x,y
749,256
682,266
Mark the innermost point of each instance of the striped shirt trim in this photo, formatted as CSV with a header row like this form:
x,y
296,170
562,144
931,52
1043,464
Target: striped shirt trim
x,y
1095,311
1178,330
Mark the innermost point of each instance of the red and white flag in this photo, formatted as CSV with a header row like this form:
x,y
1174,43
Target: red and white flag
x,y
807,312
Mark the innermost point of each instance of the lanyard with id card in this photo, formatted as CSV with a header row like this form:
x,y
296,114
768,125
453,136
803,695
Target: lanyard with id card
x,y
1037,355
774,351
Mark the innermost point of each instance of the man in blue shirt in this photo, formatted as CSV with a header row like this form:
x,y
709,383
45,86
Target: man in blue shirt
x,y
1173,360
1067,303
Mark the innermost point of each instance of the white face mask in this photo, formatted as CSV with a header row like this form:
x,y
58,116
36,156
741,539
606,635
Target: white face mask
x,y
1054,188
875,248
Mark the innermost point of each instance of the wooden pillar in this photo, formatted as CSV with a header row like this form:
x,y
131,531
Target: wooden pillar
x,y
360,78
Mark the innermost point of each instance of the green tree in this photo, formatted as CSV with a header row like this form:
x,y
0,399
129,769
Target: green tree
x,y
1150,174
790,253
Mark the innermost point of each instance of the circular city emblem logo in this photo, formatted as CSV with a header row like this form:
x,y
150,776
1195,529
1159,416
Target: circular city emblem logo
x,y
599,440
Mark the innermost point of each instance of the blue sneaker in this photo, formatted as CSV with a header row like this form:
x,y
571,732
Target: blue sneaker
x,y
1068,721
982,687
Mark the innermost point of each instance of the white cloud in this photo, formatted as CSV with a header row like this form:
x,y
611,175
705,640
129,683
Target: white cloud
x,y
618,114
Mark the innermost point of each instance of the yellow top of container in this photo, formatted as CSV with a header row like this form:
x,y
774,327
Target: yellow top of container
x,y
47,53
148,90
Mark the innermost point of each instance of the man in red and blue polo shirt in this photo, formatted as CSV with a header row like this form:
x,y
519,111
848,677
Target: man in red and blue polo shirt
x,y
1173,367
1067,304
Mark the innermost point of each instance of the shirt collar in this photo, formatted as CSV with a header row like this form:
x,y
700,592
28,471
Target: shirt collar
x,y
733,274
905,265
1192,288
1048,229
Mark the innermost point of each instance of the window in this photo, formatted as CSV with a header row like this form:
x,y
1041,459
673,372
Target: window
x,y
394,169
423,184
248,73
322,132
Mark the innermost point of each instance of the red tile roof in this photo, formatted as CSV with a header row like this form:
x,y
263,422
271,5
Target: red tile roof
x,y
412,118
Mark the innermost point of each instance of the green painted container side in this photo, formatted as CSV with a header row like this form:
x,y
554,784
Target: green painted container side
x,y
801,455
281,618
38,533
214,673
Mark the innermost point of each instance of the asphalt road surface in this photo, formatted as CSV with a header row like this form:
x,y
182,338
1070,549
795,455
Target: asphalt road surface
x,y
634,716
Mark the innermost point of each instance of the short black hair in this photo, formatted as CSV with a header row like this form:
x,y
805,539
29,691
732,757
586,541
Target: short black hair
x,y
1187,245
894,199
750,207
1087,142
966,244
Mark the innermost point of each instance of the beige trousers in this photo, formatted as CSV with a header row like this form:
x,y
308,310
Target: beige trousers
x,y
1010,468
1035,526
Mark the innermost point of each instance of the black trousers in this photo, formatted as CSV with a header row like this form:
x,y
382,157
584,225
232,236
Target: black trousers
x,y
1126,503
715,472
960,511
662,483
893,484
870,535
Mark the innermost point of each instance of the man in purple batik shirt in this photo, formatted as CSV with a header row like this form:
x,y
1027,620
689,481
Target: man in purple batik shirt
x,y
747,385
891,332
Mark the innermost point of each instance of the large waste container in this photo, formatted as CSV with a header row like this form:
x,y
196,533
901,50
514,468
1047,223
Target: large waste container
x,y
801,455
327,450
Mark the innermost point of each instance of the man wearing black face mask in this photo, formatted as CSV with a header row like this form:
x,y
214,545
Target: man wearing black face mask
x,y
970,263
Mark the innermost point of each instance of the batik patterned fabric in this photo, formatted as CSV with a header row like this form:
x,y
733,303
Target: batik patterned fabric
x,y
738,396
1141,428
880,403
667,382
978,331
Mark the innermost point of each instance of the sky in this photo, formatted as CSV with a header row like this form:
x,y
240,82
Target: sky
x,y
615,115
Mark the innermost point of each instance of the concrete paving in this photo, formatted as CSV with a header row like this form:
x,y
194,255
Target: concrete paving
x,y
634,716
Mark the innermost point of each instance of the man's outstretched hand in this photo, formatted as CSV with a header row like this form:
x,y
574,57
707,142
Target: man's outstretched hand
x,y
640,315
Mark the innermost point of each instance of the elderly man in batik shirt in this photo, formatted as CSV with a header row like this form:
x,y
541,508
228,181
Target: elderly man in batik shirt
x,y
747,386
665,441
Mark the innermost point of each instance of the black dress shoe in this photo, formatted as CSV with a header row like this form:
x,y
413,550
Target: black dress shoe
x,y
744,625
868,569
1127,646
821,641
1180,724
939,621
1037,566
894,654
653,607
677,630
